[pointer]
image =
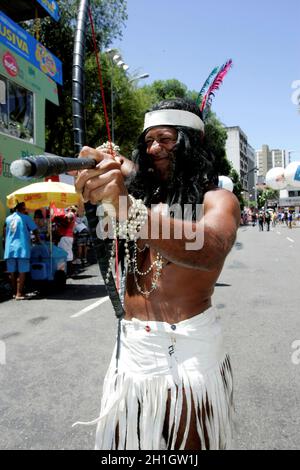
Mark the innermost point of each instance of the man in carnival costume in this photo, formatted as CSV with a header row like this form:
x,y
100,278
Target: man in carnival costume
x,y
172,388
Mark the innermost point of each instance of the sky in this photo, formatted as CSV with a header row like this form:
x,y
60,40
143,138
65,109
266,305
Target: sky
x,y
186,39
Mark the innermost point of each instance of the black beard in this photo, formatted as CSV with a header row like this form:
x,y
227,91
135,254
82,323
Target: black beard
x,y
162,186
157,174
160,193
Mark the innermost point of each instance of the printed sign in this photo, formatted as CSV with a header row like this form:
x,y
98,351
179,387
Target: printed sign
x,y
297,174
10,64
51,7
289,201
21,42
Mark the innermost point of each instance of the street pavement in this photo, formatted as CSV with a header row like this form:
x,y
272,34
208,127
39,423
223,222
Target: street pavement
x,y
54,351
258,299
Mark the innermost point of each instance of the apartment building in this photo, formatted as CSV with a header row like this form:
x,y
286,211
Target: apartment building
x,y
242,156
267,158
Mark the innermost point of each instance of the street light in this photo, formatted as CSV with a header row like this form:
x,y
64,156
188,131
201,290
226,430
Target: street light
x,y
115,59
139,77
254,169
289,154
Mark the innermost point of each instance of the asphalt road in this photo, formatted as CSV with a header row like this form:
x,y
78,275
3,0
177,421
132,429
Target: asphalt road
x,y
54,351
258,300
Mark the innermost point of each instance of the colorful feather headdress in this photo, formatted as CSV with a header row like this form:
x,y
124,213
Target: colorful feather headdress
x,y
212,83
179,117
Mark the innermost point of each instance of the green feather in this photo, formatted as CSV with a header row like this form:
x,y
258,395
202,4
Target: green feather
x,y
205,86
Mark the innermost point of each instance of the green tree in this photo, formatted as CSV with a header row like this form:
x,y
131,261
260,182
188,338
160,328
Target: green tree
x,y
165,89
109,17
265,195
130,102
216,135
129,105
237,186
252,204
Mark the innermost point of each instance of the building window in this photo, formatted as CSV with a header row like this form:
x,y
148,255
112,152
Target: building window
x,y
16,110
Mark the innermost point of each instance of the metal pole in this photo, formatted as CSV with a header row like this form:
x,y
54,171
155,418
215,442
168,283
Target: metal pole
x,y
102,247
112,102
255,194
78,77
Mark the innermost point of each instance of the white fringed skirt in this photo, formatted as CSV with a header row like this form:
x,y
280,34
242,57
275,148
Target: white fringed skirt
x,y
183,364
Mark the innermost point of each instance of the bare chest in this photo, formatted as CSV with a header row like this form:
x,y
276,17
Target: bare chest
x,y
161,290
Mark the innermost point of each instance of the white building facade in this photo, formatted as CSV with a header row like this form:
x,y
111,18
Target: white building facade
x,y
242,156
267,158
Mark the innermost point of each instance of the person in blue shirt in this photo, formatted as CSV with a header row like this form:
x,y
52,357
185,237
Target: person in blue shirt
x,y
18,247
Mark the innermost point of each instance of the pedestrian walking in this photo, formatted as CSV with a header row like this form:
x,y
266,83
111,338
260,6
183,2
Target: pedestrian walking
x,y
64,223
267,220
81,236
261,221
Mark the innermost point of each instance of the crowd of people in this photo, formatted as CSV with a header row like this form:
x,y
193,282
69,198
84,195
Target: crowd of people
x,y
269,218
69,231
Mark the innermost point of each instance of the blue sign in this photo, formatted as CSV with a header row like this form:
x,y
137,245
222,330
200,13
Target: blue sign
x,y
297,174
21,42
51,7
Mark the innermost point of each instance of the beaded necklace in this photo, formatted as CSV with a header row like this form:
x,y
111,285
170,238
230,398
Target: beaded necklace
x,y
157,265
130,230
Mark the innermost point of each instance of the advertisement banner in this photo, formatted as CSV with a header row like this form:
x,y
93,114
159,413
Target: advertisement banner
x,y
51,7
289,201
16,38
20,71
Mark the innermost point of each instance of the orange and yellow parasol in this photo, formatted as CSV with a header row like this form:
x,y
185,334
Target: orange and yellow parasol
x,y
44,194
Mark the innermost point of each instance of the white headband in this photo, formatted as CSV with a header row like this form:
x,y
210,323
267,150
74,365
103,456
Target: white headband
x,y
173,117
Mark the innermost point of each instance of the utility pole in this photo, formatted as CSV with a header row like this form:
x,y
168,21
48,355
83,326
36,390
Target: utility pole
x,y
115,59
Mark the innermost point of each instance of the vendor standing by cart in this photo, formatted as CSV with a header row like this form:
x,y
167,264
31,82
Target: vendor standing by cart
x,y
18,247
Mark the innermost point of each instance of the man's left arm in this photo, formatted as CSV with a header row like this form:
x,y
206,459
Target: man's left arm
x,y
215,232
203,244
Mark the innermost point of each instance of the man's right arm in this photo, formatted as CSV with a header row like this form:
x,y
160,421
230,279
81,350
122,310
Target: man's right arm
x,y
127,166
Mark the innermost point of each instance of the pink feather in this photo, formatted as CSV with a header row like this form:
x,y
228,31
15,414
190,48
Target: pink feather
x,y
206,102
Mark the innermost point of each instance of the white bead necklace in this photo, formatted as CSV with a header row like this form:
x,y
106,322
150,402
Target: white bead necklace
x,y
157,265
130,230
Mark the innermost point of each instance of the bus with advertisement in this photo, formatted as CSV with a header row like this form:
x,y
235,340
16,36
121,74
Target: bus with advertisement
x,y
29,75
